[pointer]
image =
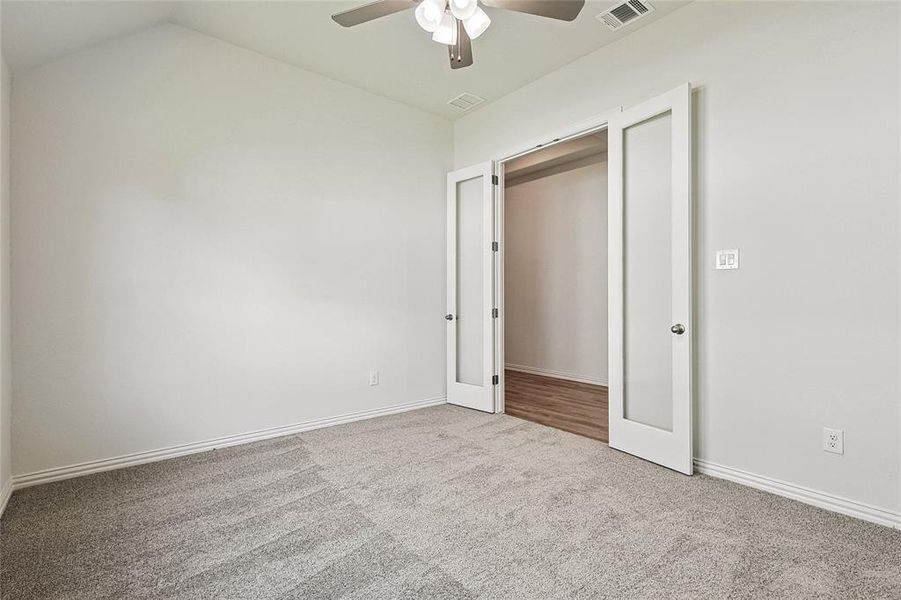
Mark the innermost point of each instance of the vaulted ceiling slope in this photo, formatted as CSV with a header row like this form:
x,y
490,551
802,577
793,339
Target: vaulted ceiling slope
x,y
390,56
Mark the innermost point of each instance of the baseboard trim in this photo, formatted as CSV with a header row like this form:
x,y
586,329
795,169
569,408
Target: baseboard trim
x,y
555,374
139,458
851,508
5,492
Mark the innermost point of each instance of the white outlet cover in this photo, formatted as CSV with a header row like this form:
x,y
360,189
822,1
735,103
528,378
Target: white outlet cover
x,y
727,259
373,378
833,440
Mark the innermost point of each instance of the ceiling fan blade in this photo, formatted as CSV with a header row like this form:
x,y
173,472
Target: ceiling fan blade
x,y
373,10
564,10
461,53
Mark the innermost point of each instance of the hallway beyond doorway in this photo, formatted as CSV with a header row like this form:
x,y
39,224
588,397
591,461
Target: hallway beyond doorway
x,y
579,408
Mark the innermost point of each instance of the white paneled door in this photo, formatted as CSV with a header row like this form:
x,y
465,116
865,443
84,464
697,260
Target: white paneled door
x,y
650,302
470,326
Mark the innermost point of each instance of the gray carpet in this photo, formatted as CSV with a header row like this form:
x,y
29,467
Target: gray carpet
x,y
436,503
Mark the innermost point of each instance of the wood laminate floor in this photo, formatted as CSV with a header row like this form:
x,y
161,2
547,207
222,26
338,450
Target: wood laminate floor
x,y
575,407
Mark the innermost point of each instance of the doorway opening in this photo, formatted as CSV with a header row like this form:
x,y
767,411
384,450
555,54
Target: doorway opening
x,y
555,286
649,278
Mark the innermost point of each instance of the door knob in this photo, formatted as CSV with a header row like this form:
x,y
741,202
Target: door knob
x,y
678,329
449,317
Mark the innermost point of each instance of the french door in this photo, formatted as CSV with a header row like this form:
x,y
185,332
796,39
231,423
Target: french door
x,y
650,255
470,324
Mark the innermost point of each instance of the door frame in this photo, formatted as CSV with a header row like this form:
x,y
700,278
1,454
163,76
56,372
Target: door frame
x,y
564,134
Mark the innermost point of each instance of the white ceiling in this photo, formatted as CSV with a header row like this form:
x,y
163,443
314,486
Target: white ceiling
x,y
390,56
34,33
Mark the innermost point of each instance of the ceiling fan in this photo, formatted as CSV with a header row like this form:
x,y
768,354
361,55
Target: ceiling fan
x,y
455,23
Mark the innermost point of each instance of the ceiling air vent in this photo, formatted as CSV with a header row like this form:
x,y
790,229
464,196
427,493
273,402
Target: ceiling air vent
x,y
624,13
465,101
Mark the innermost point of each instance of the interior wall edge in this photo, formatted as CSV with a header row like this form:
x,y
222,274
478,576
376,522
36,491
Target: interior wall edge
x,y
898,391
177,25
6,491
5,309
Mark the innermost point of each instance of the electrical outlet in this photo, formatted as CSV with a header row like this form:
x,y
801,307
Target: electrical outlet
x,y
833,440
373,377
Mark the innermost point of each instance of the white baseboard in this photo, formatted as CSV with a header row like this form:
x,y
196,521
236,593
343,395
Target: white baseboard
x,y
138,458
823,500
556,374
5,492
851,508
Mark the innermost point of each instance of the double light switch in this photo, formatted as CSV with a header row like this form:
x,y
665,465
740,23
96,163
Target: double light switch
x,y
727,259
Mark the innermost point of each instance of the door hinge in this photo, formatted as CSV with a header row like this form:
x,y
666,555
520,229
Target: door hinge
x,y
494,246
493,313
495,180
495,380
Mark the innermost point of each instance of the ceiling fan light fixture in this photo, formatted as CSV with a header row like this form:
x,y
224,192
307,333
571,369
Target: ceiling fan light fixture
x,y
463,9
429,14
447,31
455,23
476,24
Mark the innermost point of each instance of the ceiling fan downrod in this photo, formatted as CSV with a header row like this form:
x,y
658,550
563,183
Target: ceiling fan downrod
x,y
457,51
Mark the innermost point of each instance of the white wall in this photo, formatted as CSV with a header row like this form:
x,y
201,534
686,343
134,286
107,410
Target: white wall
x,y
555,266
210,242
5,365
796,144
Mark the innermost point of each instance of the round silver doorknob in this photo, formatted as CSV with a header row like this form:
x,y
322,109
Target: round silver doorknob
x,y
449,317
678,329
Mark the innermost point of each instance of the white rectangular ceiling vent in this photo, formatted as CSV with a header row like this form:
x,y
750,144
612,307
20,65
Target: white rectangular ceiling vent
x,y
465,101
624,13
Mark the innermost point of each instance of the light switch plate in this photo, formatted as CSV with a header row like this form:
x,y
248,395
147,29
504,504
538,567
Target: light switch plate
x,y
727,259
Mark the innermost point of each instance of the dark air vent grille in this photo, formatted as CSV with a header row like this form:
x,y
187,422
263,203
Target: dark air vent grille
x,y
638,6
625,12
